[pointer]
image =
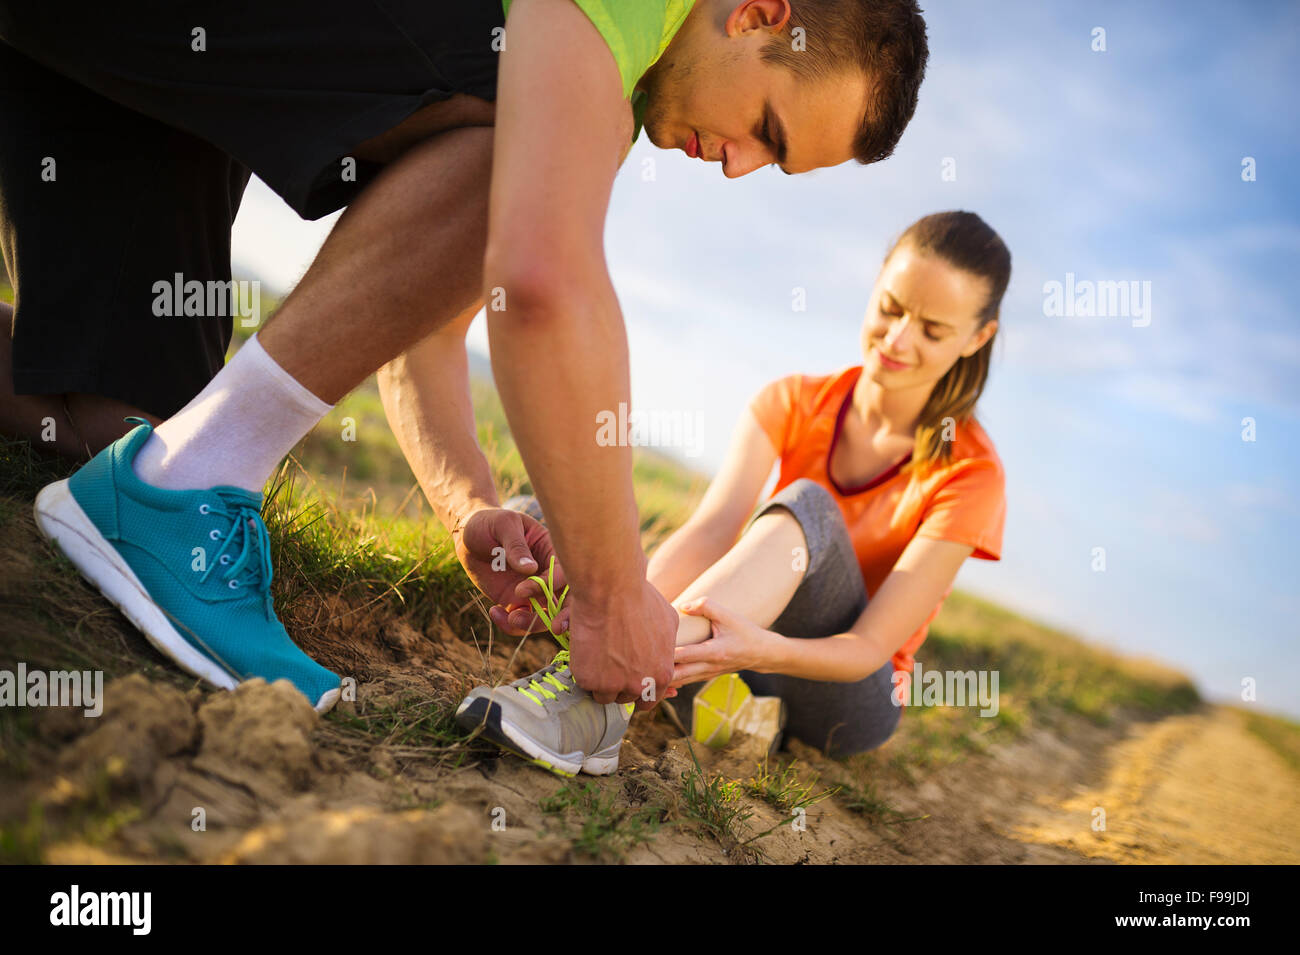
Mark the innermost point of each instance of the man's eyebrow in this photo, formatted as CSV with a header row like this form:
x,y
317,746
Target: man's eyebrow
x,y
773,122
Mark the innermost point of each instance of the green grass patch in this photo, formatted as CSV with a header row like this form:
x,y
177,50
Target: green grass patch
x,y
1279,733
1042,674
782,789
410,721
866,801
603,830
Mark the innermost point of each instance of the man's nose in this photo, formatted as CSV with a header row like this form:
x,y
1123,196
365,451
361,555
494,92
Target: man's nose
x,y
738,161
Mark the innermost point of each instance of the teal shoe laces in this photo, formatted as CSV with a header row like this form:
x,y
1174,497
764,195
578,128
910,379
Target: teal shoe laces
x,y
248,535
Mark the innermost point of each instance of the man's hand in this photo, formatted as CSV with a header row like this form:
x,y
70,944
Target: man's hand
x,y
622,649
500,549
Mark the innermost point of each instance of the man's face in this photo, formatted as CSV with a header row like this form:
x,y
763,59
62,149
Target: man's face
x,y
713,96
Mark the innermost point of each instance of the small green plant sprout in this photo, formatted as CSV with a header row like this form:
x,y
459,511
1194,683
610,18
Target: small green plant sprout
x,y
553,603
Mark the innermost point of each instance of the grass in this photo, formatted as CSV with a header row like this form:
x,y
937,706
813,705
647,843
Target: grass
x,y
21,840
866,801
782,788
1043,674
410,721
605,831
91,811
1042,668
714,803
1280,734
319,547
23,471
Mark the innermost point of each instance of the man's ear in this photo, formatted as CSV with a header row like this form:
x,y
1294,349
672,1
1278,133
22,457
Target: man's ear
x,y
757,15
980,338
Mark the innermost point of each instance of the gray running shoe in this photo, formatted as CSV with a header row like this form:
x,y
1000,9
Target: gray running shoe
x,y
548,719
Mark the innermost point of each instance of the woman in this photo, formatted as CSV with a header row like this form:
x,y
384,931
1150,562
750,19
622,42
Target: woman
x,y
887,484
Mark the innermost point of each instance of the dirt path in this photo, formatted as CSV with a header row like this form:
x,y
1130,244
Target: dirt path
x,y
273,782
1188,789
278,787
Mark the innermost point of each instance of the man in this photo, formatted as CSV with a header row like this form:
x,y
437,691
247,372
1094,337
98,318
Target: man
x,y
475,174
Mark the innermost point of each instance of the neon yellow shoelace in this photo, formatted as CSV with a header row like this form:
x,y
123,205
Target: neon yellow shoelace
x,y
549,684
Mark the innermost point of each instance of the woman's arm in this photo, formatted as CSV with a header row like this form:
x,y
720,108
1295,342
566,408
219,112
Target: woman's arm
x,y
923,573
717,521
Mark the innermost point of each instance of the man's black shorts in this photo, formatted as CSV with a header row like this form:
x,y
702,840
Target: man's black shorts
x,y
154,112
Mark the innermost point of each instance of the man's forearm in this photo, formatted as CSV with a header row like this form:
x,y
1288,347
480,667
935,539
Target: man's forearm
x,y
426,395
560,360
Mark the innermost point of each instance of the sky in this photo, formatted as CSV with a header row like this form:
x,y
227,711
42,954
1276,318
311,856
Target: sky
x,y
1168,435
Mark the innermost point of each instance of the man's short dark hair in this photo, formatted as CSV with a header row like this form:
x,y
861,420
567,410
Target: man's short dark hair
x,y
883,39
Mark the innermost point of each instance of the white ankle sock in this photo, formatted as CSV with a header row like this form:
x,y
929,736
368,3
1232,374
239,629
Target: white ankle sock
x,y
235,431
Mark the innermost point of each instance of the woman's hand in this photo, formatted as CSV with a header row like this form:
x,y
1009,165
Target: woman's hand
x,y
737,644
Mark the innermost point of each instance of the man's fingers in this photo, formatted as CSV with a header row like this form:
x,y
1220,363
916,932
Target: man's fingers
x,y
519,619
516,623
528,589
509,530
519,557
507,622
621,696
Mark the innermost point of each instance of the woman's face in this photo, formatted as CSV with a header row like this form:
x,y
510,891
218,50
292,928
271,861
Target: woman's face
x,y
921,319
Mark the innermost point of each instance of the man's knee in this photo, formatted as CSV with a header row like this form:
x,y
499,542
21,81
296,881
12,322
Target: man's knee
x,y
458,112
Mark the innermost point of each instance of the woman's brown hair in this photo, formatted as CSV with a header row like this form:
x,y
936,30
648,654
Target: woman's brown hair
x,y
967,242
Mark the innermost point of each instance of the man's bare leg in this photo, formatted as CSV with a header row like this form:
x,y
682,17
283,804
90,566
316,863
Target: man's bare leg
x,y
404,259
74,425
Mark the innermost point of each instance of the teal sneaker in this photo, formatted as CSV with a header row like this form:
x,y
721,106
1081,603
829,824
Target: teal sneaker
x,y
191,569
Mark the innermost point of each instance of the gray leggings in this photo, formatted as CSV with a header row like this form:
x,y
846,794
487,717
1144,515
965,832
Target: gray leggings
x,y
838,718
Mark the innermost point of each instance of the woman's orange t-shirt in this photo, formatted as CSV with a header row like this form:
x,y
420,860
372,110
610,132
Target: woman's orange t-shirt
x,y
962,501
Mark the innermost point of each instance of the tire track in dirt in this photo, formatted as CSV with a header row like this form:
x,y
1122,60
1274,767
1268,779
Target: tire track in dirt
x,y
1193,789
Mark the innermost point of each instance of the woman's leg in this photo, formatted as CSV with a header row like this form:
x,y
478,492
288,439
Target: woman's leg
x,y
794,571
758,578
839,718
826,598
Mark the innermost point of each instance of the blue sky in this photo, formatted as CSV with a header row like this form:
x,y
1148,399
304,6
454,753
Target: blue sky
x,y
1122,165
